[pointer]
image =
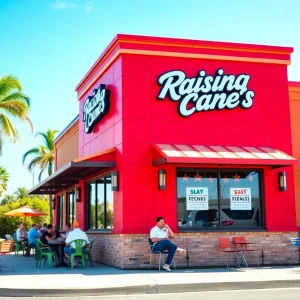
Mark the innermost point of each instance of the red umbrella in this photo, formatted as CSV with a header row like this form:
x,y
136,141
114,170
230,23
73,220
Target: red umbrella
x,y
25,211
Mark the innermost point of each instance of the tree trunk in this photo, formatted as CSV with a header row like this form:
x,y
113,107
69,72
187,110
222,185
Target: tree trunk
x,y
50,205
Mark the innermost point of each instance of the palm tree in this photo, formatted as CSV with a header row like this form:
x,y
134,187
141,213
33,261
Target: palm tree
x,y
7,199
44,156
13,103
4,176
21,193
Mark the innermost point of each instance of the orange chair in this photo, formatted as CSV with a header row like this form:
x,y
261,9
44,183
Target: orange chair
x,y
226,249
241,244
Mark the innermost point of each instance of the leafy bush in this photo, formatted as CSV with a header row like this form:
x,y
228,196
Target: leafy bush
x,y
9,225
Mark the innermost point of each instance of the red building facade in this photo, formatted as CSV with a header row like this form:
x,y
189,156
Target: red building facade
x,y
194,131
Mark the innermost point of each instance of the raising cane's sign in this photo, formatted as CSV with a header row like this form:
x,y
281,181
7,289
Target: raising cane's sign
x,y
95,107
205,92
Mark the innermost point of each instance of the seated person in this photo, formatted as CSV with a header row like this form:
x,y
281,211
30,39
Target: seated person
x,y
55,233
67,229
43,229
75,234
32,235
160,236
47,236
21,234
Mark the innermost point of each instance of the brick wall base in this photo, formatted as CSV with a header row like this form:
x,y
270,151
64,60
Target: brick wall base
x,y
132,251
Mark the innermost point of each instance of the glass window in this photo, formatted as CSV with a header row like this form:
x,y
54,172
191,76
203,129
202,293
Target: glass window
x,y
219,198
109,204
100,203
92,210
71,207
240,198
59,215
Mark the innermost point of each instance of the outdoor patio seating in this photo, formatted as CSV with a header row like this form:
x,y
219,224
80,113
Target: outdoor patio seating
x,y
230,253
6,248
18,246
161,254
241,244
88,253
44,251
78,253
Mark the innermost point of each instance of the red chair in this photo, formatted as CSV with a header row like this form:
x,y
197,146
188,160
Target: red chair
x,y
241,244
231,253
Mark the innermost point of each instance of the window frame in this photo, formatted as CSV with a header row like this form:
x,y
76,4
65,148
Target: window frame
x,y
87,185
221,228
68,207
60,210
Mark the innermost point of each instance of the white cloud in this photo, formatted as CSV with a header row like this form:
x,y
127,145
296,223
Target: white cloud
x,y
89,7
61,4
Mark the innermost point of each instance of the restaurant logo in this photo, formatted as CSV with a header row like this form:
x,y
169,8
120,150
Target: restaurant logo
x,y
205,92
95,107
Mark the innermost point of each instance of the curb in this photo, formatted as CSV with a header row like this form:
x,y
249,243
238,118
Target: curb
x,y
151,289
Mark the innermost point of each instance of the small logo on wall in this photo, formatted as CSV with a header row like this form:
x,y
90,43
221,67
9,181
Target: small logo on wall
x,y
205,92
95,107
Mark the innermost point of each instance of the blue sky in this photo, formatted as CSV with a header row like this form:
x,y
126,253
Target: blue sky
x,y
50,45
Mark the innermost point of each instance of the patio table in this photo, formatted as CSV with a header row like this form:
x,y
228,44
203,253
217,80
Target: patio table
x,y
60,245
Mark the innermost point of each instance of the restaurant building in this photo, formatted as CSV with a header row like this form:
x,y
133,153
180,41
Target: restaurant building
x,y
202,133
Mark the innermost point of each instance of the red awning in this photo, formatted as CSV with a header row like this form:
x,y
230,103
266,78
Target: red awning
x,y
222,155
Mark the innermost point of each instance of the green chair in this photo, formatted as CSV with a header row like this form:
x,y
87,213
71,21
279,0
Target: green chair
x,y
78,252
44,251
88,253
18,246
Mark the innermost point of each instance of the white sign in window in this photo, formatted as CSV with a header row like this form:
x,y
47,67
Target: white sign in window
x,y
197,198
240,199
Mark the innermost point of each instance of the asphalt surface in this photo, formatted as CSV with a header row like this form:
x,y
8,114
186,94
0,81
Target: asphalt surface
x,y
270,294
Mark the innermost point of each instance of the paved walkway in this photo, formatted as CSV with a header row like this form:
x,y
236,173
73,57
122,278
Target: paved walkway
x,y
26,280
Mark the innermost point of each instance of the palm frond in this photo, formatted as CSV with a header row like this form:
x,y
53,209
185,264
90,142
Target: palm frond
x,y
48,137
40,175
33,163
17,97
8,83
15,108
7,128
30,152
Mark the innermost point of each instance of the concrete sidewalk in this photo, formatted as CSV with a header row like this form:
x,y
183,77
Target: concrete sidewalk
x,y
28,281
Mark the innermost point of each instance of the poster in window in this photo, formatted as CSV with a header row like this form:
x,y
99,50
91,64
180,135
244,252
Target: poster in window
x,y
240,199
197,198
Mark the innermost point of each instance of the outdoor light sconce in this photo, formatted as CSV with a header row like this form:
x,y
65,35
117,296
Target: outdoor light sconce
x,y
115,181
161,179
53,203
78,194
282,181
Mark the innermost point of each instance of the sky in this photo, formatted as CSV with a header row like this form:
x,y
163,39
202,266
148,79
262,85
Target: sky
x,y
49,45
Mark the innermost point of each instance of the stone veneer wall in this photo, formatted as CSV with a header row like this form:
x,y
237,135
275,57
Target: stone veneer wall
x,y
131,251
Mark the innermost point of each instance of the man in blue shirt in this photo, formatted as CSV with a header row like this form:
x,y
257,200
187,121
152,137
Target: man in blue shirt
x,y
32,235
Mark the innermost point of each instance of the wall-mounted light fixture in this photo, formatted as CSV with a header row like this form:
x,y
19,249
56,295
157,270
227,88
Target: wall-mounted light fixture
x,y
53,203
115,181
282,181
78,194
161,179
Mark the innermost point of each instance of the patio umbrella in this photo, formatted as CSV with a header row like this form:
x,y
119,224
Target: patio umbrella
x,y
25,211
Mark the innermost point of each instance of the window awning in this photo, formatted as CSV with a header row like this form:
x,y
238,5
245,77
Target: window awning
x,y
169,153
74,171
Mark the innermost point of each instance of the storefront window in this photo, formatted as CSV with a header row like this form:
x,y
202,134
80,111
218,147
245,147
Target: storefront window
x,y
100,204
71,207
219,199
59,216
